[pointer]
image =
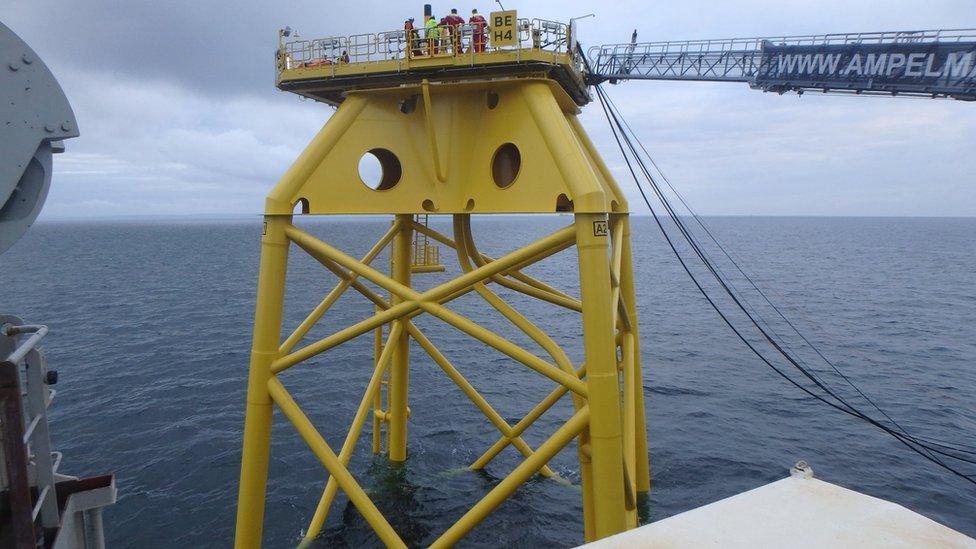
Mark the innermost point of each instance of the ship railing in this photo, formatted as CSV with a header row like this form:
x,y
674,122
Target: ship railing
x,y
29,465
401,46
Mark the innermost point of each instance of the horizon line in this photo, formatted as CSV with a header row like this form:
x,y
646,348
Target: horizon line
x,y
223,217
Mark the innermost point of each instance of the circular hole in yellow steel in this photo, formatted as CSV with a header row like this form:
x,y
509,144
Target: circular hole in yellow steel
x,y
505,165
379,169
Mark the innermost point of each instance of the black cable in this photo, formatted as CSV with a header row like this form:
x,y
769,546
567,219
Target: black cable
x,y
902,436
926,450
843,406
687,235
769,302
707,262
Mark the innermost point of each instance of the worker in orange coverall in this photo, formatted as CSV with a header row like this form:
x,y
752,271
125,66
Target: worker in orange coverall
x,y
479,26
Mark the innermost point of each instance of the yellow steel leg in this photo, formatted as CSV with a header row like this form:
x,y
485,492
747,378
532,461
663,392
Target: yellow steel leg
x,y
630,427
264,349
642,463
603,392
399,373
586,485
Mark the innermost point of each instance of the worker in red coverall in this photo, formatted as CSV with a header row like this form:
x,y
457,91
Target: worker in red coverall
x,y
479,30
454,23
446,34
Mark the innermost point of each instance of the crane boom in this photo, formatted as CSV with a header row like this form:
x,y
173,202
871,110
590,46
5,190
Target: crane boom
x,y
928,63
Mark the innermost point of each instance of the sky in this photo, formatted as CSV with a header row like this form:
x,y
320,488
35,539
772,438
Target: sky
x,y
179,115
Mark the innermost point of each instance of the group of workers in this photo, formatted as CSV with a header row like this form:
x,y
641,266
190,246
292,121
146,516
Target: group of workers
x,y
445,36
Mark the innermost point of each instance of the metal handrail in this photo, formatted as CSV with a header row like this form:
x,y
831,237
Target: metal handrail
x,y
425,253
754,44
37,334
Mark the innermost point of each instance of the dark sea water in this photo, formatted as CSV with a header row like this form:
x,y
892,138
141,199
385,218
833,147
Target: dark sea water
x,y
150,330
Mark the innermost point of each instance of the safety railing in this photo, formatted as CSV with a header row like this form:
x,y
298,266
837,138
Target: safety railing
x,y
735,59
442,41
755,43
425,253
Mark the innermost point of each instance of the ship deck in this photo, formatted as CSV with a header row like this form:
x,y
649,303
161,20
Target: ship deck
x,y
793,512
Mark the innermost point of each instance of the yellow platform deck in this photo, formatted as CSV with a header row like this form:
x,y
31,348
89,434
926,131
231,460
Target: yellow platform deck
x,y
326,69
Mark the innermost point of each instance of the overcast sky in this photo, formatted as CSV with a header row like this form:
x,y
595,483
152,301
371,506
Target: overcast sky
x,y
179,115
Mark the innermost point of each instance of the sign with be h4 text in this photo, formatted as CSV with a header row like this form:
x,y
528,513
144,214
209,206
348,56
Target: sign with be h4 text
x,y
504,28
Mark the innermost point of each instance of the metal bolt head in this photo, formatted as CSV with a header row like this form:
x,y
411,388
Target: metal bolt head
x,y
13,66
48,128
66,126
26,59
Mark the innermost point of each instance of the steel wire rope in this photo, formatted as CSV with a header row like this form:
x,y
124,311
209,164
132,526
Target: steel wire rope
x,y
927,449
843,406
752,283
703,257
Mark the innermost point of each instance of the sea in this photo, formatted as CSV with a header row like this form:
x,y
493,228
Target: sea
x,y
151,328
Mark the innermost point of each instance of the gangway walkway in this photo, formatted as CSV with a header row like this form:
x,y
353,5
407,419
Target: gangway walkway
x,y
936,63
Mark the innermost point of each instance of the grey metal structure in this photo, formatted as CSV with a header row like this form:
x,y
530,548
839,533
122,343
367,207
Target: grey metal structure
x,y
39,507
930,63
44,506
36,117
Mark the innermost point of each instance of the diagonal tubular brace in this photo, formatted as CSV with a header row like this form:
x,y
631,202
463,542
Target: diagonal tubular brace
x,y
427,302
322,510
523,283
332,464
336,292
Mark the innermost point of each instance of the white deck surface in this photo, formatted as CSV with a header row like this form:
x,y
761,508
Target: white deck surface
x,y
793,512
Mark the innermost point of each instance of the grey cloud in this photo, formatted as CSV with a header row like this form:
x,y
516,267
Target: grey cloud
x,y
227,46
179,115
